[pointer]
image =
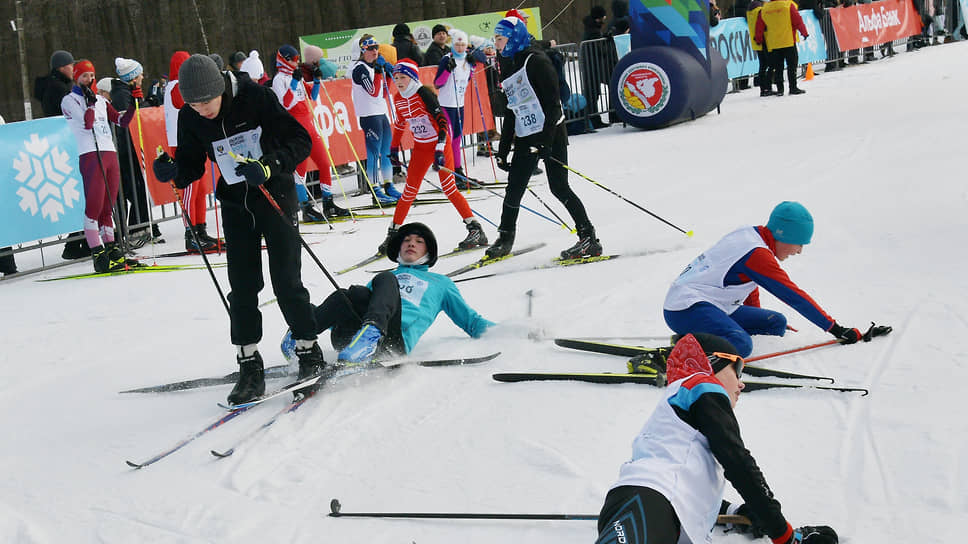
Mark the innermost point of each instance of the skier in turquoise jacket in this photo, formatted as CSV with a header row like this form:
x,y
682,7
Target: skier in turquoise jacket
x,y
396,308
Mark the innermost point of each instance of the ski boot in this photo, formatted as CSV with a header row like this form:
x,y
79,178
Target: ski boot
x,y
382,250
201,230
102,260
460,179
381,198
364,344
392,191
587,246
252,378
502,246
201,246
310,214
475,236
331,210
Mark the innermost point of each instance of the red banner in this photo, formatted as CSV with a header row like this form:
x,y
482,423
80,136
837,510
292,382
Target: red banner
x,y
865,25
335,119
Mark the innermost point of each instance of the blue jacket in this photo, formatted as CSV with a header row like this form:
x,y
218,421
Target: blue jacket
x,y
423,295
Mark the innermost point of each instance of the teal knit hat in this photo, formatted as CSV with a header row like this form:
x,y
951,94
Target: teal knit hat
x,y
791,223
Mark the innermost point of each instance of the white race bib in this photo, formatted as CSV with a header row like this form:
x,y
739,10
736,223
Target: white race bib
x,y
529,118
421,127
244,144
412,288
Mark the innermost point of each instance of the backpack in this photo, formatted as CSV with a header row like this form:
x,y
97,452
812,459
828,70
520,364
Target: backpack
x,y
558,61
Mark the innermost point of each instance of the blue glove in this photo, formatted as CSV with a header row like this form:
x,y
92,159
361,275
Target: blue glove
x,y
294,84
165,168
254,171
385,65
438,160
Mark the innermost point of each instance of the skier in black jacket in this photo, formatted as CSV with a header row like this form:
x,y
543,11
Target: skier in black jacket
x,y
535,124
242,127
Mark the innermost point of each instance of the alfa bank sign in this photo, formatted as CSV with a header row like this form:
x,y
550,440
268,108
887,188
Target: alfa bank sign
x,y
864,25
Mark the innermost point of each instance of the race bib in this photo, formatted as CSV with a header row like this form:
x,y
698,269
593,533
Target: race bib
x,y
422,129
529,118
412,288
244,144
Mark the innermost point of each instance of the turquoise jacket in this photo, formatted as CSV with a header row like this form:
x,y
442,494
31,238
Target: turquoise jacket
x,y
423,295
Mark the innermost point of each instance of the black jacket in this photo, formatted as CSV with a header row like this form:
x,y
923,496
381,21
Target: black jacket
x,y
56,87
544,80
434,53
245,106
407,49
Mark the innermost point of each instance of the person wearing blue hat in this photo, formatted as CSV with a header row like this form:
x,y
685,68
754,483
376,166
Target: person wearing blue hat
x,y
718,293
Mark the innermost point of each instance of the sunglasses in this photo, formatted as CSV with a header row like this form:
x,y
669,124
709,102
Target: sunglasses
x,y
372,47
736,361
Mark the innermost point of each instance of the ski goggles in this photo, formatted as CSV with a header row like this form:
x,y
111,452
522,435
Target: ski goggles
x,y
369,44
736,361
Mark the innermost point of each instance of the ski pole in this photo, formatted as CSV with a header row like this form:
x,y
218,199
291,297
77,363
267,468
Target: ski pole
x,y
198,244
872,332
329,155
687,233
479,184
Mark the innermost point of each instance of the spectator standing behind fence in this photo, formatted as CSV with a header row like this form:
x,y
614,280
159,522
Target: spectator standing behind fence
x,y
620,15
406,45
370,76
453,75
765,74
126,91
776,28
593,62
88,116
438,47
486,56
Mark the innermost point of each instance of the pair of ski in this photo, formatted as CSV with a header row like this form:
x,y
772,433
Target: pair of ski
x,y
303,391
653,374
374,258
416,202
557,262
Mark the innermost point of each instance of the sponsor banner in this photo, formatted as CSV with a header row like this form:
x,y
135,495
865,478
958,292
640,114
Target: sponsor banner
x,y
41,190
343,47
865,25
732,39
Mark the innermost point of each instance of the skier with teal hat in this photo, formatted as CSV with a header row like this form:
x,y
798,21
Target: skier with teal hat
x,y
718,293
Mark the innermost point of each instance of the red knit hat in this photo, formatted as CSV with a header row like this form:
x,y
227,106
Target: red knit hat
x,y
81,67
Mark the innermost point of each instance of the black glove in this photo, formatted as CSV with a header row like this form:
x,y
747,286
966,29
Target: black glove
x,y
89,97
809,534
165,168
502,161
394,156
451,64
255,172
845,335
544,152
317,73
438,160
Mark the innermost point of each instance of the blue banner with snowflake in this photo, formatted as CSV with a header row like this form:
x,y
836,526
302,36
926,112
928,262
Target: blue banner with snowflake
x,y
41,191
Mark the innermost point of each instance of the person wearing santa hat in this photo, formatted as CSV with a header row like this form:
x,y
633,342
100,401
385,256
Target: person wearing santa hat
x,y
454,72
290,88
89,114
417,107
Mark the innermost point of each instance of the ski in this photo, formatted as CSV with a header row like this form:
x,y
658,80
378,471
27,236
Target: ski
x,y
135,270
292,387
416,202
608,378
336,373
190,253
484,261
278,371
217,423
558,262
369,260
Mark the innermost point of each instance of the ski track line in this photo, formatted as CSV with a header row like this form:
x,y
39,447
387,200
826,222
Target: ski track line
x,y
854,455
155,528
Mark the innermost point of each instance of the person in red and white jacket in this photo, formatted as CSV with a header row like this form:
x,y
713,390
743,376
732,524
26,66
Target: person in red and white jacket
x,y
290,88
671,490
718,293
88,115
417,106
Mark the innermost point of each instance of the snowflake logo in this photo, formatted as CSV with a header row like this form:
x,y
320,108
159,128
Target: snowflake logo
x,y
44,174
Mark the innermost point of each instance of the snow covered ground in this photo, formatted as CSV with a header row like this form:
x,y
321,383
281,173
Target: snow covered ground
x,y
875,153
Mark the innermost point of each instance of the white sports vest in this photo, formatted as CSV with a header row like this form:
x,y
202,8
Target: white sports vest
x,y
674,459
74,106
171,115
364,104
529,118
451,95
280,85
702,280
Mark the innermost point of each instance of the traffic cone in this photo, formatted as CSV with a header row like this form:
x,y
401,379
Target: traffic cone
x,y
809,75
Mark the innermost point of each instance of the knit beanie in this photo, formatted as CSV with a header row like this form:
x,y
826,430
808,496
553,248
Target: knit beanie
x,y
127,69
199,79
438,28
82,67
60,58
253,66
401,30
407,67
236,58
218,60
791,223
104,85
457,35
312,54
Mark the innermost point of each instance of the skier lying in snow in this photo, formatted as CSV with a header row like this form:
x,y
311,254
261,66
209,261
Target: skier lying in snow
x,y
672,488
391,313
718,293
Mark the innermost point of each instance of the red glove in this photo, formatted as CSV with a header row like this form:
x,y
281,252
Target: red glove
x,y
136,92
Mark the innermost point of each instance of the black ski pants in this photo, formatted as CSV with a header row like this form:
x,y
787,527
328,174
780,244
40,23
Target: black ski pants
x,y
245,228
379,306
788,54
637,515
522,166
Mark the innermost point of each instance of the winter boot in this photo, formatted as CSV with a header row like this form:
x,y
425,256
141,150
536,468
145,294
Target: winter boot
x,y
310,214
252,377
587,246
382,250
363,345
331,210
460,179
201,246
392,191
76,249
310,356
382,197
475,236
797,90
502,246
